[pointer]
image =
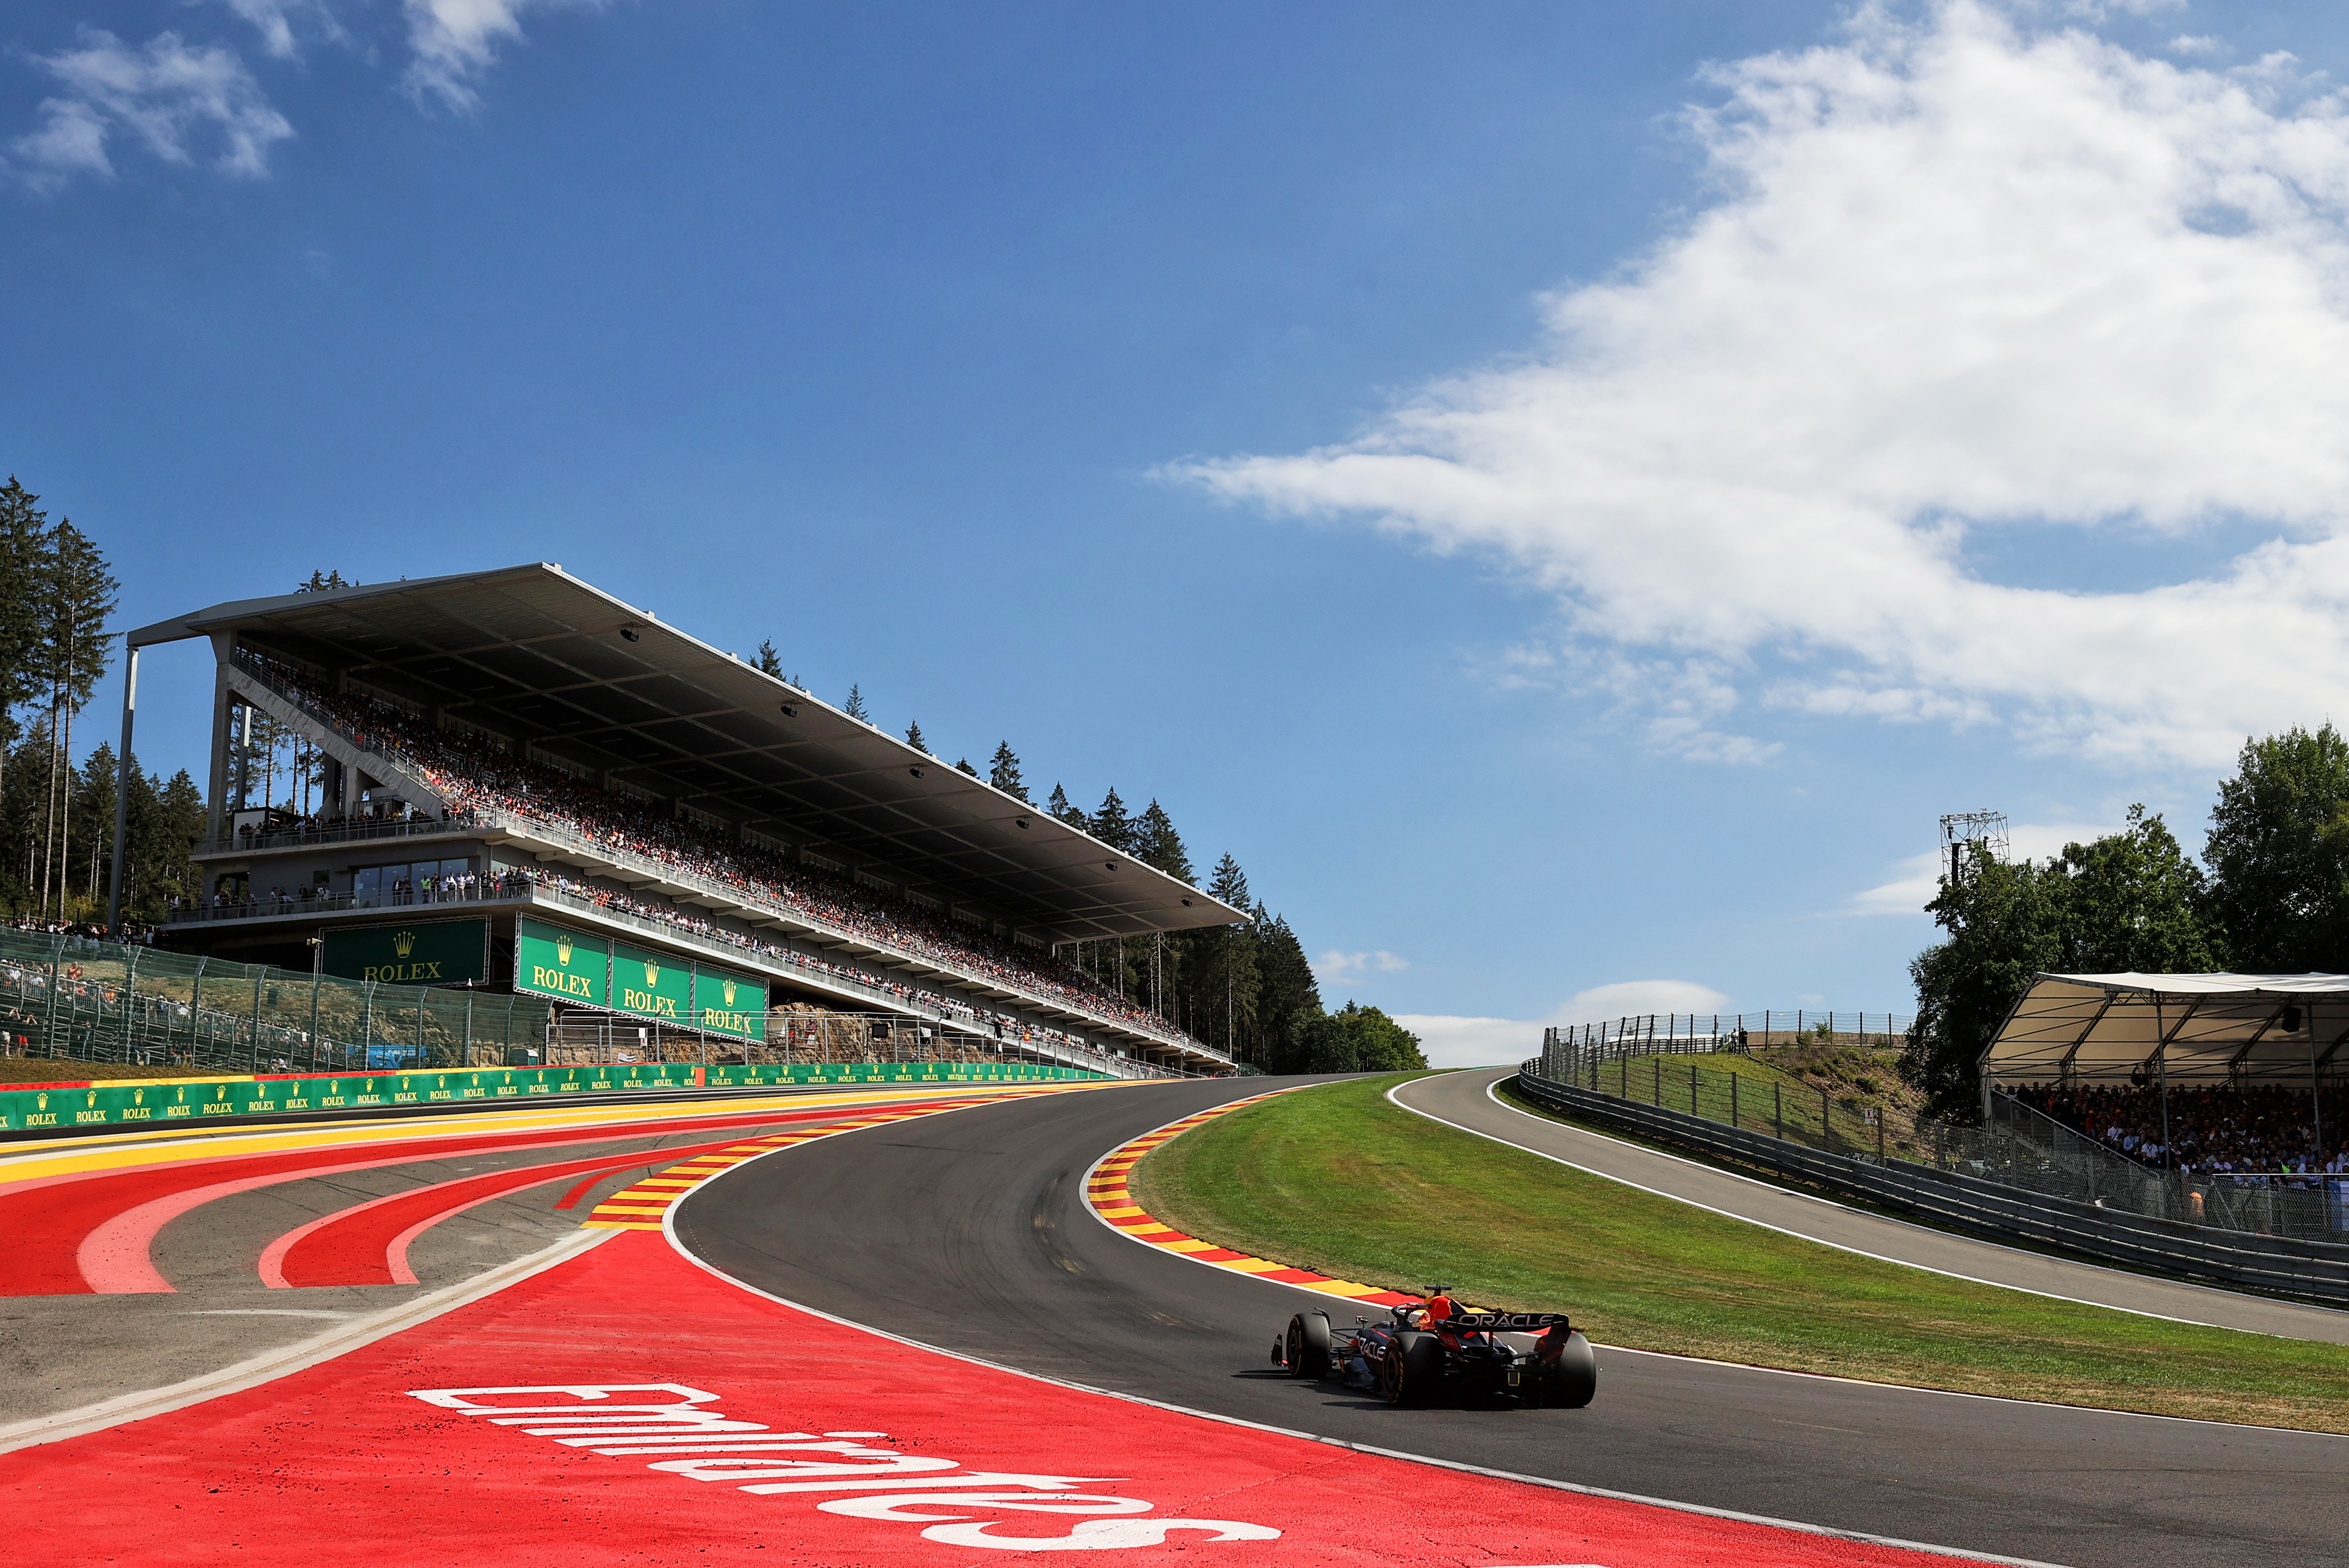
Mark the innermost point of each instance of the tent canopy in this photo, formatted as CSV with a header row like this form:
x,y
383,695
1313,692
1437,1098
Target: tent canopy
x,y
2196,1031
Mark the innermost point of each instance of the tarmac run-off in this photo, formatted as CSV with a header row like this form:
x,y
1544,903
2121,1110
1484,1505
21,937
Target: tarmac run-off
x,y
627,1404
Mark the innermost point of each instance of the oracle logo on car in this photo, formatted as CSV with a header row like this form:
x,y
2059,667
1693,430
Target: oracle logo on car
x,y
698,1442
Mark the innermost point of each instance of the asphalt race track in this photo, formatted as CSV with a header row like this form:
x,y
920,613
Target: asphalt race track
x,y
970,1232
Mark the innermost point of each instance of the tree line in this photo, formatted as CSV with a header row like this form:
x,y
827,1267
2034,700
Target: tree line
x,y
1245,988
2270,895
57,820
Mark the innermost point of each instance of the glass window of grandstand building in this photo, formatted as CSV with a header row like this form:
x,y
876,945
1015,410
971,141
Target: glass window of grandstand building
x,y
516,788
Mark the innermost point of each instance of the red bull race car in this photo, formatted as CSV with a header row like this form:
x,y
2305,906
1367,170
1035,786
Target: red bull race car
x,y
1438,1351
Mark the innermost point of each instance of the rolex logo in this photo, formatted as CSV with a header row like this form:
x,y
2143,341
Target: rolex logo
x,y
183,1097
44,1101
729,993
404,943
138,1096
652,974
563,951
93,1097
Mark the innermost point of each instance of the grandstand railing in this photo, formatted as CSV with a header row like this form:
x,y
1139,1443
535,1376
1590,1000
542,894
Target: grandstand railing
x,y
1060,1049
603,852
243,840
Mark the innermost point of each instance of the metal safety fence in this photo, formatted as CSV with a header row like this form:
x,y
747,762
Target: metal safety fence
x,y
2017,1146
1687,1034
1994,1180
120,1002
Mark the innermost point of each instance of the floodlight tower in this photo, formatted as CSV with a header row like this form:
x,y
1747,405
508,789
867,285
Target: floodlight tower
x,y
1960,828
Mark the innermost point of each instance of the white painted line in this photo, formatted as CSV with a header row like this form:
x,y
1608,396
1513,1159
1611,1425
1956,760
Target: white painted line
x,y
274,1363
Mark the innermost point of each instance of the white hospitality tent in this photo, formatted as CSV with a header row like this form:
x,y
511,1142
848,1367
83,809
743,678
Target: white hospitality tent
x,y
2190,1031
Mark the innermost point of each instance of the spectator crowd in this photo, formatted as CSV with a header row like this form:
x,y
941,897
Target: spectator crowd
x,y
478,777
2211,1131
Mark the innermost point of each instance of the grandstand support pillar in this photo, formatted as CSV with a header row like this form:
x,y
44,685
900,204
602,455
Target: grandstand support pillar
x,y
216,799
122,796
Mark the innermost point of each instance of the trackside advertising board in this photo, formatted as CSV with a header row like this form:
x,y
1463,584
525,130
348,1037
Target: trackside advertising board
x,y
551,961
590,971
729,1004
651,985
62,1108
414,952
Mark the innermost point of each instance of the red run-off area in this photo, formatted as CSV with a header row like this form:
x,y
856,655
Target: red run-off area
x,y
630,1407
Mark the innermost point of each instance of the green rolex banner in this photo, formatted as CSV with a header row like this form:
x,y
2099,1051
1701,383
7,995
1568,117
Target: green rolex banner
x,y
650,984
415,952
551,961
732,1004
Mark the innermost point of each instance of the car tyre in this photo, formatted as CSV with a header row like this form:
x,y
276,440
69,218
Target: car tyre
x,y
1415,1369
1308,1344
1572,1380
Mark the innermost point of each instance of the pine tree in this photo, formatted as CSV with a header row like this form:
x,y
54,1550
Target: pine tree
x,y
769,661
1289,995
855,709
323,582
1057,805
1158,846
1112,826
74,594
964,767
1005,774
914,736
24,545
1229,884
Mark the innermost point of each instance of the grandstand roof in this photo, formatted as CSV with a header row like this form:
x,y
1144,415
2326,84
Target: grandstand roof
x,y
2197,1030
535,654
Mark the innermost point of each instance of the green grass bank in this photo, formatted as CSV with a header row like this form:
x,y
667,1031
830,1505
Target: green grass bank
x,y
1336,1179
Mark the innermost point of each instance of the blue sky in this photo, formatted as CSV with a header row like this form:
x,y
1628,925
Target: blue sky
x,y
1568,495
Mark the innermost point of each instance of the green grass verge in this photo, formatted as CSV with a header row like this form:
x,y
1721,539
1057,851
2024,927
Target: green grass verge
x,y
1336,1179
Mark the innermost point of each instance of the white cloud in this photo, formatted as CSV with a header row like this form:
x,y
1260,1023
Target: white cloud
x,y
2188,44
455,40
179,101
1334,968
1962,281
1919,878
1634,998
1451,1039
278,22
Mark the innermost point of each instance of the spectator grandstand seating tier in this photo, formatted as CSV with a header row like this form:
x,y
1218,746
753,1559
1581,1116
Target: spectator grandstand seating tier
x,y
615,851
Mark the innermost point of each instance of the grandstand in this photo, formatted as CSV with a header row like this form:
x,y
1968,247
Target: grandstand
x,y
531,787
2207,1074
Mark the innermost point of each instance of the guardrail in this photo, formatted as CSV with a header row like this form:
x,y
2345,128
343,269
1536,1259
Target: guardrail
x,y
2304,1270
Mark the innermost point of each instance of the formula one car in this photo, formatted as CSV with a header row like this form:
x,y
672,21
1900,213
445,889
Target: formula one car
x,y
1437,1350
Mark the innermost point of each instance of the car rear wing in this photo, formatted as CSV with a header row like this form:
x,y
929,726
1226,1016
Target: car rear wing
x,y
1505,1321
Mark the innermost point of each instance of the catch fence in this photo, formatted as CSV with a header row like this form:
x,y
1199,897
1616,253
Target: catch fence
x,y
120,1002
